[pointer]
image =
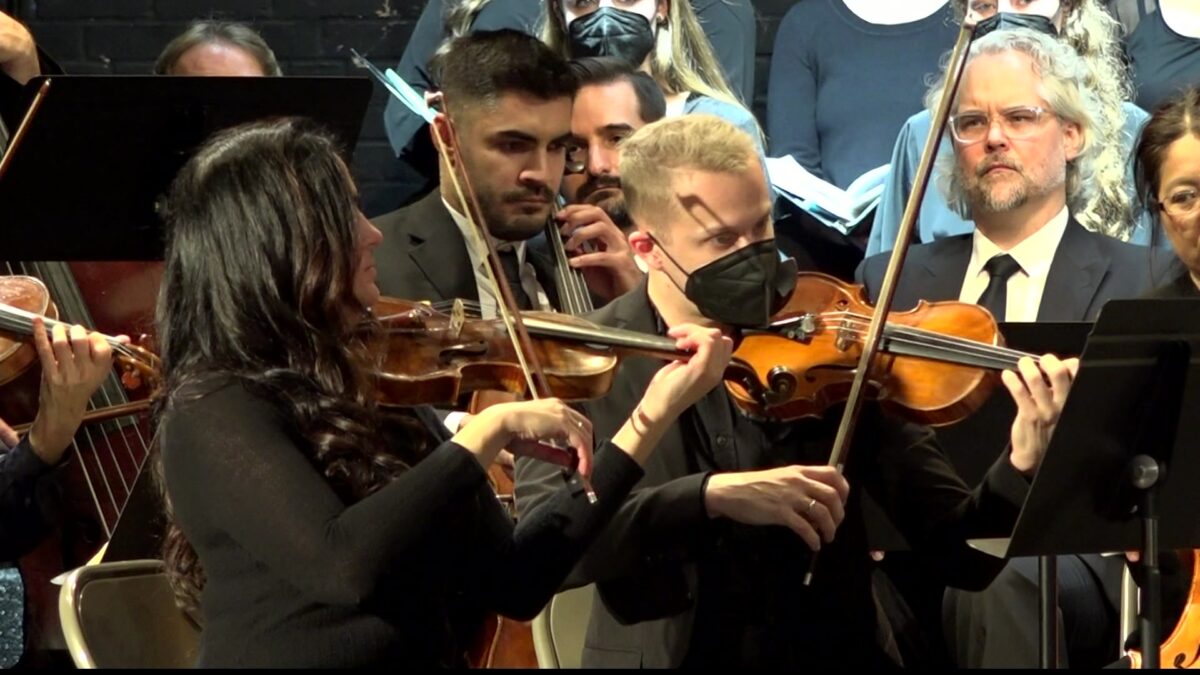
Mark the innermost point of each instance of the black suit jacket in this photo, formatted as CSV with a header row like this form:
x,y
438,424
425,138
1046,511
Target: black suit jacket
x,y
423,256
1088,270
1181,287
646,563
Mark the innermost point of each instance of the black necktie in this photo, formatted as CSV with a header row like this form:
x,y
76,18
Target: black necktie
x,y
995,296
512,270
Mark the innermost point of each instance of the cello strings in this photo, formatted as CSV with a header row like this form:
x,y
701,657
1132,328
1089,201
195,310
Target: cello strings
x,y
89,481
17,320
121,425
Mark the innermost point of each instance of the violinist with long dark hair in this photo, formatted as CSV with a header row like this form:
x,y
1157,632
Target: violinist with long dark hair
x,y
308,527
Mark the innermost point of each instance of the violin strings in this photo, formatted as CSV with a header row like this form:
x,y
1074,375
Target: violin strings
x,y
956,354
17,320
950,345
948,341
472,308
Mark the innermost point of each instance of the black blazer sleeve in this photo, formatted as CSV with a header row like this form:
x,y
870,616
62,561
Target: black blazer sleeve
x,y
529,563
23,520
936,511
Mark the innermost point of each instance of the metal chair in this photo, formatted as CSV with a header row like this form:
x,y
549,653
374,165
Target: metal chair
x,y
123,615
559,629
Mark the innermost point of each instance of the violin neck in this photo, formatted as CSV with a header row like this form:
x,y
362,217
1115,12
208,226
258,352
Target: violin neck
x,y
907,341
627,341
20,322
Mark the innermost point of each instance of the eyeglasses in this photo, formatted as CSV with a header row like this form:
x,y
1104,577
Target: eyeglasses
x,y
576,159
1018,123
1181,203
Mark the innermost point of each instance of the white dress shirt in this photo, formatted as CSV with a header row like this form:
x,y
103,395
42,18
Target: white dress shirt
x,y
487,298
1026,286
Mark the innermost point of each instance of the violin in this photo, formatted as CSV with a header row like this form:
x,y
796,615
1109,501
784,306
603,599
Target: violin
x,y
23,298
939,363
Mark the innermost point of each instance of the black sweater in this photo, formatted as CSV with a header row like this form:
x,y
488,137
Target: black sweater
x,y
295,577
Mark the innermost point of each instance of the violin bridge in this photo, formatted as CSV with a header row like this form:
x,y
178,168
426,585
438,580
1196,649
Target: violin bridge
x,y
458,316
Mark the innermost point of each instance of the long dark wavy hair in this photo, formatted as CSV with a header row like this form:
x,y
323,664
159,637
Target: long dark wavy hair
x,y
260,260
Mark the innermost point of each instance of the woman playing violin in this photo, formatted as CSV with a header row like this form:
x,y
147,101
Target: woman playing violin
x,y
74,362
309,526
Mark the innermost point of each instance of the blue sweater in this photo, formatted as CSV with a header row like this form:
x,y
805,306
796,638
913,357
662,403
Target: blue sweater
x,y
841,87
1162,62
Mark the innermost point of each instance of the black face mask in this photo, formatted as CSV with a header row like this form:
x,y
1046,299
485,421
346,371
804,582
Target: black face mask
x,y
1013,20
744,288
611,32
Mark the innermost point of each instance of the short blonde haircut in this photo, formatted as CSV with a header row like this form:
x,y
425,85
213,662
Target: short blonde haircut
x,y
654,155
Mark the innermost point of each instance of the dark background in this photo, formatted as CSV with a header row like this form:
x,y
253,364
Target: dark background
x,y
309,37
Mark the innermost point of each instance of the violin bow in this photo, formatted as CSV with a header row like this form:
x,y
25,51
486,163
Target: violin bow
x,y
871,343
507,307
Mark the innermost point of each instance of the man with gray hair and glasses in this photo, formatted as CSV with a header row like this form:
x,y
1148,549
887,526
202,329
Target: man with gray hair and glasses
x,y
1024,155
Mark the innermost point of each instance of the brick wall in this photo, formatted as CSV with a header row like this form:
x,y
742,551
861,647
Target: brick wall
x,y
310,37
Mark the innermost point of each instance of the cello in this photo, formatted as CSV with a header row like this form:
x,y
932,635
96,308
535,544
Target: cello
x,y
109,451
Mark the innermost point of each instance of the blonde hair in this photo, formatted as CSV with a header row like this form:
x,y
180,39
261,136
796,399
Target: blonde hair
x,y
460,15
682,60
655,154
1096,36
1062,74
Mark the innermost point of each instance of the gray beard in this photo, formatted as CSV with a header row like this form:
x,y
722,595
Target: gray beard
x,y
982,199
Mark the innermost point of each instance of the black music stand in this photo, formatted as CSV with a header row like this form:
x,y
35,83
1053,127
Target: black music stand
x,y
81,177
1119,474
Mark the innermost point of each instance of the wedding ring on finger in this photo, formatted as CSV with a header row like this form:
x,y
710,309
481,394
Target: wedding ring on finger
x,y
808,509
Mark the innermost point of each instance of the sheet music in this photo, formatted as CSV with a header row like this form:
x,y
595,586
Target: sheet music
x,y
837,208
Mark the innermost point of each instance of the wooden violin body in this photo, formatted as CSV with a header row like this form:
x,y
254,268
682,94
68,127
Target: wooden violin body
x,y
434,358
935,369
